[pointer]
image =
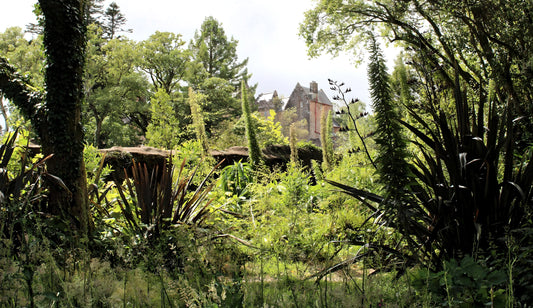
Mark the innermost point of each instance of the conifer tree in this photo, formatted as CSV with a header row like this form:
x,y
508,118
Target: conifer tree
x,y
114,21
214,55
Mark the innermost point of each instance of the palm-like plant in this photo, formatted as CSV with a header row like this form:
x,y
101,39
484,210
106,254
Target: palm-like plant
x,y
469,187
235,178
157,201
22,192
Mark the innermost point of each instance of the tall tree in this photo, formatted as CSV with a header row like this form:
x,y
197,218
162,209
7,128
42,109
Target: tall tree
x,y
221,103
165,60
166,127
214,55
57,118
115,108
93,11
216,71
61,132
113,21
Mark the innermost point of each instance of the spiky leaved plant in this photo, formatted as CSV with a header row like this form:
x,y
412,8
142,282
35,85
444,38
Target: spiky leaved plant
x,y
158,202
471,187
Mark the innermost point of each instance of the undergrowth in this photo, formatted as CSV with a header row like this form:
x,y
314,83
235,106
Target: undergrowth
x,y
269,239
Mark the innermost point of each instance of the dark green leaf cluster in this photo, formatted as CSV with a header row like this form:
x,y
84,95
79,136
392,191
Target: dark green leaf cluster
x,y
158,202
392,155
466,93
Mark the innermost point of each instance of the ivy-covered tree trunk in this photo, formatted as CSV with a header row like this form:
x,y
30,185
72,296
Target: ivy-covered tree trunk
x,y
60,128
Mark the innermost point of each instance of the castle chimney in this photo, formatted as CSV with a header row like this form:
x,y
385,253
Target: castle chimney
x,y
313,88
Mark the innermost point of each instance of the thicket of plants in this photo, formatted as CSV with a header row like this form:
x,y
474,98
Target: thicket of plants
x,y
426,201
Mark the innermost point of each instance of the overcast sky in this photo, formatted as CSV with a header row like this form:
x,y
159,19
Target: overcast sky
x,y
267,32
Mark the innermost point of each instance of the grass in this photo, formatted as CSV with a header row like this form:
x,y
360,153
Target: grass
x,y
95,283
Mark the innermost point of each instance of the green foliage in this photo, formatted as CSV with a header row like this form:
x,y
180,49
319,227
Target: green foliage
x,y
165,60
326,135
289,117
463,283
158,242
269,130
229,133
391,161
18,173
114,21
392,155
470,188
164,129
293,145
307,145
216,72
215,56
115,111
195,101
97,172
26,56
157,201
220,103
22,195
253,146
234,179
400,82
234,182
286,219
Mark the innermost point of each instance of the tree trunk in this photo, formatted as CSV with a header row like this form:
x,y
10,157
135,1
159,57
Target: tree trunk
x,y
4,112
61,130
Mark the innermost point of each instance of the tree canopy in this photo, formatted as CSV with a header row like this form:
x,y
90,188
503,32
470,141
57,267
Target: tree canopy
x,y
468,103
214,55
